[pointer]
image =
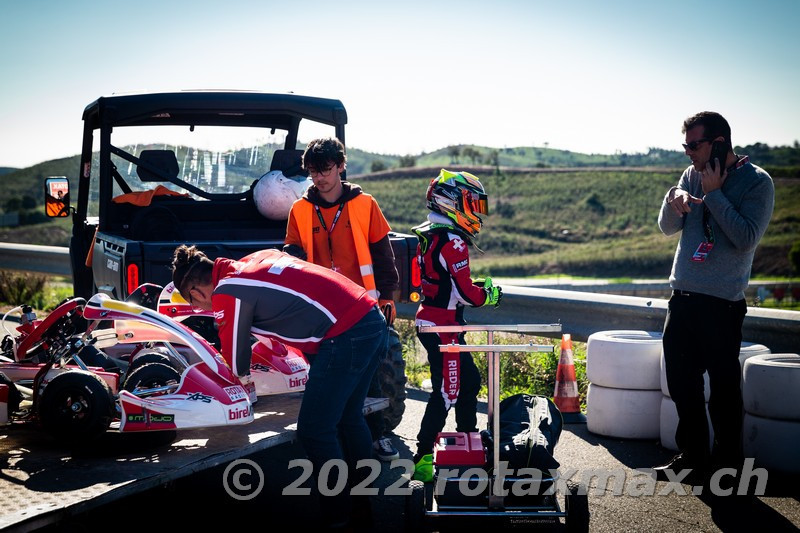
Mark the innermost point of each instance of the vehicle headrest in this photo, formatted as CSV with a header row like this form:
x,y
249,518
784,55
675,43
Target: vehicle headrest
x,y
289,162
164,160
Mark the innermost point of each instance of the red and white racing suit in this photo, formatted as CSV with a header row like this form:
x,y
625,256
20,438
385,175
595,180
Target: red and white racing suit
x,y
443,256
272,294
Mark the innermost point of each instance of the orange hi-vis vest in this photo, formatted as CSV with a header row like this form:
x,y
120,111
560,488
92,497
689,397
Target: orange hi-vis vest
x,y
359,211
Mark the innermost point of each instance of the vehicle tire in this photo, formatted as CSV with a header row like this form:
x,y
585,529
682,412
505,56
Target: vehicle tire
x,y
624,359
576,506
392,374
668,423
76,406
772,443
623,413
147,357
150,376
770,386
415,506
749,350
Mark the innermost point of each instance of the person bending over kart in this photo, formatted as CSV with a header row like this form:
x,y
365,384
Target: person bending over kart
x,y
324,314
455,199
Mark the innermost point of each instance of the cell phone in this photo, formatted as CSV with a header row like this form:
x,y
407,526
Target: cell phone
x,y
719,150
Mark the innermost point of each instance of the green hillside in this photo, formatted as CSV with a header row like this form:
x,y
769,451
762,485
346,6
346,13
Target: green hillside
x,y
579,222
596,218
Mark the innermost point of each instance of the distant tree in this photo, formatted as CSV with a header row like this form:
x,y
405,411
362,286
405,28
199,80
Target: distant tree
x,y
13,204
453,152
493,158
407,161
28,202
471,153
377,165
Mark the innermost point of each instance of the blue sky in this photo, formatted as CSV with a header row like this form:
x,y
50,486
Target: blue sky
x,y
587,76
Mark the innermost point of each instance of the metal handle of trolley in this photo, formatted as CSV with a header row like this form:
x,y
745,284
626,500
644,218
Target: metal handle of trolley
x,y
493,382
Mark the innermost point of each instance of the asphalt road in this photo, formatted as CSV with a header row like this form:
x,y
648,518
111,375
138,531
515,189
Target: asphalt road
x,y
192,502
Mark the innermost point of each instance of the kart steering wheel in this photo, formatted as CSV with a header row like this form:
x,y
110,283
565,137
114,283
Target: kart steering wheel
x,y
62,323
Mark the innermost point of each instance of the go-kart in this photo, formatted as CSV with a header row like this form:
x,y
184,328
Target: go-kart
x,y
89,366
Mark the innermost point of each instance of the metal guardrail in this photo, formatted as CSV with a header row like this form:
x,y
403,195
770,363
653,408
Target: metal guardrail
x,y
35,258
580,313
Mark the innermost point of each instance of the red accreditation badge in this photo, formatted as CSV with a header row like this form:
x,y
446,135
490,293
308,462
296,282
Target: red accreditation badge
x,y
702,251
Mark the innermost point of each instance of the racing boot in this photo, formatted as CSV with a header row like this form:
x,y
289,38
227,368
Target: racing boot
x,y
423,469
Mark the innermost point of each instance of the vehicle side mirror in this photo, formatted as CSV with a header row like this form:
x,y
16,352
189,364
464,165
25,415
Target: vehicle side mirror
x,y
56,196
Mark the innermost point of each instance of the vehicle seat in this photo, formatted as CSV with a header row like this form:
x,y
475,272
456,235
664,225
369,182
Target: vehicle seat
x,y
164,160
290,162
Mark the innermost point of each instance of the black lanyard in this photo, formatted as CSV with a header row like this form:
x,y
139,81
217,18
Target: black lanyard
x,y
708,231
329,231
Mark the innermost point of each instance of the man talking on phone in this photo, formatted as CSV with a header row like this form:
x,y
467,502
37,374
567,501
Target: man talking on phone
x,y
722,205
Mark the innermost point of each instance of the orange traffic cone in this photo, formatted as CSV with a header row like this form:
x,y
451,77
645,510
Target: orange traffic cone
x,y
566,395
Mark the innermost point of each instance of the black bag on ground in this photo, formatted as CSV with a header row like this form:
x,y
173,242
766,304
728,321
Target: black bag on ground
x,y
529,430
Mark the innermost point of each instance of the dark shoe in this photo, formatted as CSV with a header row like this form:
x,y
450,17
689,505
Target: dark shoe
x,y
385,450
674,470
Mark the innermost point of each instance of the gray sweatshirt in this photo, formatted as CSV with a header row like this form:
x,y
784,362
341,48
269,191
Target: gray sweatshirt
x,y
739,214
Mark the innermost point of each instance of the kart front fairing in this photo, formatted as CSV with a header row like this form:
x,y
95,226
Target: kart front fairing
x,y
208,393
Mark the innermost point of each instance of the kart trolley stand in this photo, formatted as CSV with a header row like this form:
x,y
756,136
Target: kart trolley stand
x,y
480,489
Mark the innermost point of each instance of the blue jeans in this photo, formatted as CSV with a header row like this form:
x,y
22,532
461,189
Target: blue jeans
x,y
331,422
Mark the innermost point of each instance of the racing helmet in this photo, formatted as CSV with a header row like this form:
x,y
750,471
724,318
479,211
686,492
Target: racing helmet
x,y
275,193
460,196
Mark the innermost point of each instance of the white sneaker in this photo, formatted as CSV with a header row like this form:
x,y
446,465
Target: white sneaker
x,y
250,387
385,450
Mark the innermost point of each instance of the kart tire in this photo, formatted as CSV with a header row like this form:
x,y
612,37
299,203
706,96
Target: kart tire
x,y
150,376
392,374
415,506
770,386
147,358
623,413
624,359
668,422
76,406
576,507
772,443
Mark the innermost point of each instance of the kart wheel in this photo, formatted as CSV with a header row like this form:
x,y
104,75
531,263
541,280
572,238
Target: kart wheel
x,y
576,505
146,358
76,406
392,373
415,506
151,376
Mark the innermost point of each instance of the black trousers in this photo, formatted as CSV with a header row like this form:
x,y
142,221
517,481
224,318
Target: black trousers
x,y
703,333
435,412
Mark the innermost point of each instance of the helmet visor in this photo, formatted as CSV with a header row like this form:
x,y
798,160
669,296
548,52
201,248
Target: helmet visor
x,y
478,203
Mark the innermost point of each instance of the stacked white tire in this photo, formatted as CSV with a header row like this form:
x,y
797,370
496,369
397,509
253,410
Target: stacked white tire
x,y
669,413
624,396
771,394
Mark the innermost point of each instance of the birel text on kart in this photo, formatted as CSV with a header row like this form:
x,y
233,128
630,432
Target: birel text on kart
x,y
161,376
274,367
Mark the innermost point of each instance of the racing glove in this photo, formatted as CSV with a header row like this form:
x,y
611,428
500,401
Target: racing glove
x,y
494,293
388,310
